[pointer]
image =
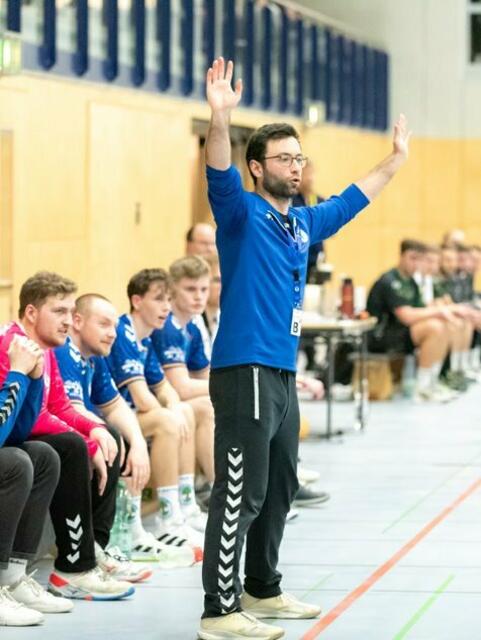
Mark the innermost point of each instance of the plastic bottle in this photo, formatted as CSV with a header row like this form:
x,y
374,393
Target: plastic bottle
x,y
121,532
408,383
347,298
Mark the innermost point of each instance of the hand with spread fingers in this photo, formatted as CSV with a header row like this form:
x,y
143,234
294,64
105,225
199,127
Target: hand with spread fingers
x,y
220,94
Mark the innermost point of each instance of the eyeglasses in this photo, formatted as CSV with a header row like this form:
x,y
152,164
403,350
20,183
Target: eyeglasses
x,y
286,160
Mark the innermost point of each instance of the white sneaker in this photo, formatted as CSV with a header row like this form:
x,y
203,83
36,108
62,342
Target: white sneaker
x,y
179,529
118,566
307,476
237,626
438,393
15,614
146,548
283,606
194,518
90,585
30,593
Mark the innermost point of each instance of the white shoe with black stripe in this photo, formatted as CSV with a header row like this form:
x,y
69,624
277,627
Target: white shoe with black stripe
x,y
146,548
176,535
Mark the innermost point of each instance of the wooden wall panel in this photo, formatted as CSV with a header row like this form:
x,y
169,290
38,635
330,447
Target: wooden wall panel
x,y
89,159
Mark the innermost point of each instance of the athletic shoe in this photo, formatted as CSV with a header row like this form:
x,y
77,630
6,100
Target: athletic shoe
x,y
30,593
237,625
116,564
456,381
307,476
179,529
292,515
438,393
194,518
473,376
173,537
307,497
283,606
147,549
90,585
15,614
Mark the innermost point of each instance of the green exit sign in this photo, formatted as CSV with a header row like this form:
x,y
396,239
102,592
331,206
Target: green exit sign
x,y
10,53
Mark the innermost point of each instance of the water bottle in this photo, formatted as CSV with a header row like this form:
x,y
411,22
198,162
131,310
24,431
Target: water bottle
x,y
121,532
347,298
408,384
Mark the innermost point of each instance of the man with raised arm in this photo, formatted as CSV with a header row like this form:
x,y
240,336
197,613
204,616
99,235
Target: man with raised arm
x,y
263,246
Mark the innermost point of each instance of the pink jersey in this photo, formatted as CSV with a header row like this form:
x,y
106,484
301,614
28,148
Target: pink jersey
x,y
57,415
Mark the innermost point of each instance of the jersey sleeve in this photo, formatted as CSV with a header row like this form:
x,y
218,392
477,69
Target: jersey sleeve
x,y
104,390
226,198
69,364
125,363
326,218
169,345
12,395
154,374
197,358
392,295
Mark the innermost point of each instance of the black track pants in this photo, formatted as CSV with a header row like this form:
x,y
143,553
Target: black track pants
x,y
256,444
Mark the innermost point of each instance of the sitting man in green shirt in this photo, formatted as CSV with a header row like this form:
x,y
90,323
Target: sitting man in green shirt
x,y
405,324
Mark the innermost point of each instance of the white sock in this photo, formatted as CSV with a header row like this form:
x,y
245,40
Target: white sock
x,y
136,523
423,378
169,502
464,360
186,491
455,360
17,568
436,371
475,358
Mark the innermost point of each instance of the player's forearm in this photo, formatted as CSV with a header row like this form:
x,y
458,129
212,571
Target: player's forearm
x,y
122,418
217,146
377,178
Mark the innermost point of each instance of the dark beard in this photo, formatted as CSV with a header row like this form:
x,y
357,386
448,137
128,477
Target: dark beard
x,y
277,188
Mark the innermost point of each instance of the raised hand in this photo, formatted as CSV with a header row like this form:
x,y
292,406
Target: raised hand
x,y
220,95
401,136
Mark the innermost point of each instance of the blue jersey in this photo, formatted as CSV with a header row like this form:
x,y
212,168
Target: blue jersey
x,y
85,380
132,359
263,266
176,345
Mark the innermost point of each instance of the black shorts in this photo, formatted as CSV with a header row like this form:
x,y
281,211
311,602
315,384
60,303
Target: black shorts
x,y
391,340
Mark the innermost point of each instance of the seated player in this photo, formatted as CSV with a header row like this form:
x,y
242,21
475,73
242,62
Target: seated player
x,y
93,393
82,509
29,475
161,414
180,349
406,324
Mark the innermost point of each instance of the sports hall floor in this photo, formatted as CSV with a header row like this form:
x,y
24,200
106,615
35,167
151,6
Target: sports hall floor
x,y
395,554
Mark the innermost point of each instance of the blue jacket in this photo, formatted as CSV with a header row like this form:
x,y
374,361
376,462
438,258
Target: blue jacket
x,y
263,268
20,403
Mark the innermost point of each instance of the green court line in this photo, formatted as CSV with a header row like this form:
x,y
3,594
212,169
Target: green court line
x,y
423,609
413,507
316,586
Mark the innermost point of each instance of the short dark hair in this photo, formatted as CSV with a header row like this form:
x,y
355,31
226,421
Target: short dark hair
x,y
462,248
409,244
140,282
257,143
43,285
